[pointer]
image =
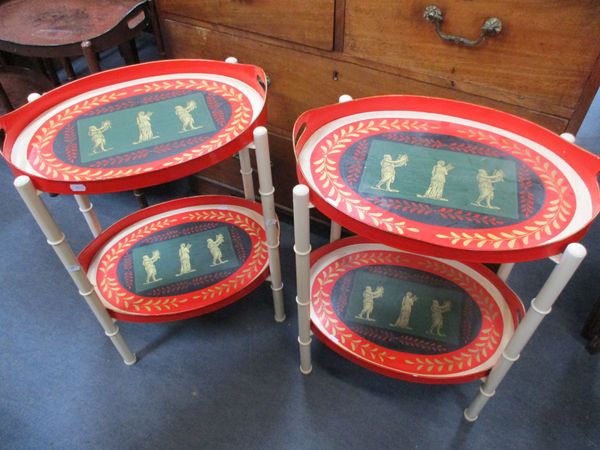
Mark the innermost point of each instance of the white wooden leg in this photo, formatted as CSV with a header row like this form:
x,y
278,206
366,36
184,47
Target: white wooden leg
x,y
267,191
335,231
87,209
56,239
504,271
246,171
540,307
302,250
245,165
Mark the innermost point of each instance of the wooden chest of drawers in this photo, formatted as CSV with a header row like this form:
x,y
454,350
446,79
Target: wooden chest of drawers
x,y
544,65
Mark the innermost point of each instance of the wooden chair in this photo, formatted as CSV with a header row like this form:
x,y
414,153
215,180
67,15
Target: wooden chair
x,y
16,83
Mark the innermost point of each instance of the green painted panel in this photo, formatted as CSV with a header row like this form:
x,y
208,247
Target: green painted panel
x,y
459,181
167,259
418,318
132,129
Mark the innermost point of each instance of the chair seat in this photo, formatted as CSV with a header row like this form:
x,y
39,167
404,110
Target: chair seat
x,y
179,259
408,316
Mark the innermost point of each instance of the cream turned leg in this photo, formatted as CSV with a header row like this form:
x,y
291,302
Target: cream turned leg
x,y
335,231
540,307
87,209
245,166
302,249
56,239
267,191
504,271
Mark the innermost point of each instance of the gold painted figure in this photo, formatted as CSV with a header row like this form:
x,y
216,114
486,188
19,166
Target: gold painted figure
x,y
215,251
437,316
148,263
145,127
185,116
407,303
486,187
97,136
184,259
369,296
388,171
438,180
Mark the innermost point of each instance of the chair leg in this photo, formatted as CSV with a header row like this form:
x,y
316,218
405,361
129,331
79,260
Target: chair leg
x,y
140,196
267,191
540,307
91,57
129,52
56,239
302,250
160,45
69,72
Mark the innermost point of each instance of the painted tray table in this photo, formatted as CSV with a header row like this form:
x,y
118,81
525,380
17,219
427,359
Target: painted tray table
x,y
179,259
135,126
408,316
446,178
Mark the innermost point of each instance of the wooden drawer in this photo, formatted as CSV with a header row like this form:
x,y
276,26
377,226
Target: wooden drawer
x,y
307,23
541,59
301,81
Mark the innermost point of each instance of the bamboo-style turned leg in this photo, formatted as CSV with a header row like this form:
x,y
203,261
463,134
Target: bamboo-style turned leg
x,y
504,271
87,209
335,230
246,171
56,239
540,307
302,250
267,191
244,154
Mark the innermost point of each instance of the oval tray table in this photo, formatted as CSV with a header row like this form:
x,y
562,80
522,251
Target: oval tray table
x,y
135,126
179,259
409,316
144,125
447,178
440,179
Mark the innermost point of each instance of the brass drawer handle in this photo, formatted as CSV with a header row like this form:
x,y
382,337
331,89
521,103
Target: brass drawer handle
x,y
491,27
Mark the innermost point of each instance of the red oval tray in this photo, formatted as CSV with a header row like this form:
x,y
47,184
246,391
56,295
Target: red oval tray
x,y
179,259
409,316
446,178
135,126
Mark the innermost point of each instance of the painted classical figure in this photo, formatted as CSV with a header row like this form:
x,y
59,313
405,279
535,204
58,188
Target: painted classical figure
x,y
185,116
388,171
486,187
215,251
184,259
145,127
438,181
407,303
97,136
148,263
369,296
437,316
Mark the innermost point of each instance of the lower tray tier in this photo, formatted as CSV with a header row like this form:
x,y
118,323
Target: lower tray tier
x,y
408,316
179,259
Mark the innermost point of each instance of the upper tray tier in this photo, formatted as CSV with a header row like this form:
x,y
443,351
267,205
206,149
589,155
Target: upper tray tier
x,y
446,178
135,126
179,259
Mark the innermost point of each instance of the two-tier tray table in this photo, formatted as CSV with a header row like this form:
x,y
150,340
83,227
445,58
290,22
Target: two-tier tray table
x,y
139,126
434,188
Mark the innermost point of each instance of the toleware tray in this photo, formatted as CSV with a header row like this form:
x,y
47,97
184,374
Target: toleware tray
x,y
179,259
135,126
446,178
410,316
